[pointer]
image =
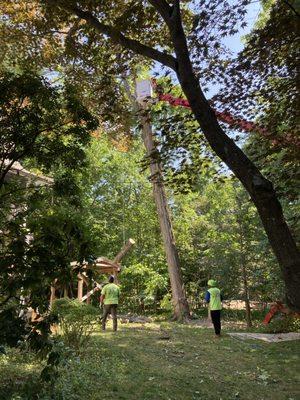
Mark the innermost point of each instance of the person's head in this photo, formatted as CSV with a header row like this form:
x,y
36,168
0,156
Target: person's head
x,y
212,283
111,279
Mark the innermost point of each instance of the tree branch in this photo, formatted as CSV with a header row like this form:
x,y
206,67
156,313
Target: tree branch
x,y
130,44
163,9
291,7
176,13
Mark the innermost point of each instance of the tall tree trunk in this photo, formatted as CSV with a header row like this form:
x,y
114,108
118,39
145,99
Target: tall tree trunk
x,y
246,295
259,188
181,307
243,258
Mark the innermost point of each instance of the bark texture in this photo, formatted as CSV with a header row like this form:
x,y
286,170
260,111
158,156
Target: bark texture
x,y
181,307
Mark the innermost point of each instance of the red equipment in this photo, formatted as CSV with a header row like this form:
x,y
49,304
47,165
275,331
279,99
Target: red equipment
x,y
275,308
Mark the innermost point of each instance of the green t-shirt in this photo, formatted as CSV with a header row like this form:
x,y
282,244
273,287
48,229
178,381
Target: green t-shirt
x,y
111,293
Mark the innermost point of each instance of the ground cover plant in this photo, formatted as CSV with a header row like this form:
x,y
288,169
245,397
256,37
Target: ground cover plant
x,y
136,363
75,322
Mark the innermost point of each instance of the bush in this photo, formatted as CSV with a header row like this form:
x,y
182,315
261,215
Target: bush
x,y
12,327
75,321
283,325
166,303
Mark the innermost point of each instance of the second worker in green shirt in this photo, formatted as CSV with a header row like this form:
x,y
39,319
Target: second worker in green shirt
x,y
110,295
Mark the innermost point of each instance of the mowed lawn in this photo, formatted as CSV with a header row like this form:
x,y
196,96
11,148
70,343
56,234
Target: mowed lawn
x,y
139,363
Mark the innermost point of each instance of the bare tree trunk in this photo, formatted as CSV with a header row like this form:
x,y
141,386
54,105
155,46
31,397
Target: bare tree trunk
x,y
246,294
66,292
52,296
243,239
181,307
79,287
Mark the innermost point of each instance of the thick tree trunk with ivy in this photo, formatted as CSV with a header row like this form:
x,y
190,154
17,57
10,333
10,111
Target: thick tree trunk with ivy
x,y
259,188
180,304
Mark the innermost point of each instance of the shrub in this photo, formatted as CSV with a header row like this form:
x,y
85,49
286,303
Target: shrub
x,y
12,327
166,302
75,321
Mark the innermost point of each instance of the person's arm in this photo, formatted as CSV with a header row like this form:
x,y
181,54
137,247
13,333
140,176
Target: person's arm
x,y
207,297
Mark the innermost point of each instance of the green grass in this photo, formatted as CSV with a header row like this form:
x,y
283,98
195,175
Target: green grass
x,y
135,364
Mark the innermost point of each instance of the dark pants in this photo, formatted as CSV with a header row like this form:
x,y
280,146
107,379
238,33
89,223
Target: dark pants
x,y
216,320
110,309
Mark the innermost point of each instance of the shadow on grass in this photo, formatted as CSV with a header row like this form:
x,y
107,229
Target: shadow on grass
x,y
136,363
19,375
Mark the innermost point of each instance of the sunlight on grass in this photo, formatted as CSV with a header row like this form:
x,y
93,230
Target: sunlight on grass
x,y
136,364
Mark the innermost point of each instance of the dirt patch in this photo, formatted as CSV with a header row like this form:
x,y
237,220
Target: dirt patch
x,y
267,337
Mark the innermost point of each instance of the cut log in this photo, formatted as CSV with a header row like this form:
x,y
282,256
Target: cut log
x,y
89,294
123,251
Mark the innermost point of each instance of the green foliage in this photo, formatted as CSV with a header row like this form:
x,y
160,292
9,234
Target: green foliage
x,y
75,322
283,170
218,232
166,302
269,63
42,227
45,124
118,197
183,152
283,324
12,328
143,286
59,235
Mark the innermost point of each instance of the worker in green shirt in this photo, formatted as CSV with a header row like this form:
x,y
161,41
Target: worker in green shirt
x,y
110,298
214,299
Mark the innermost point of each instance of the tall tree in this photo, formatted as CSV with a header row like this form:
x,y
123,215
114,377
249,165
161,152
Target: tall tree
x,y
42,229
181,37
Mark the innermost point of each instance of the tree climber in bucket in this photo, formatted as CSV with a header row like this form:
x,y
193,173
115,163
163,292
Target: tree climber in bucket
x,y
214,300
110,298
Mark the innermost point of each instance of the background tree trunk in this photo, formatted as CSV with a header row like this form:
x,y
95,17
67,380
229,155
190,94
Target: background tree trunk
x,y
246,295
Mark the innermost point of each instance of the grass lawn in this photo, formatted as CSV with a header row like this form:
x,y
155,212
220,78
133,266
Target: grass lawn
x,y
136,364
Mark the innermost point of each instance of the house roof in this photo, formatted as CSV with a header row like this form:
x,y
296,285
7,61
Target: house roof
x,y
17,170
